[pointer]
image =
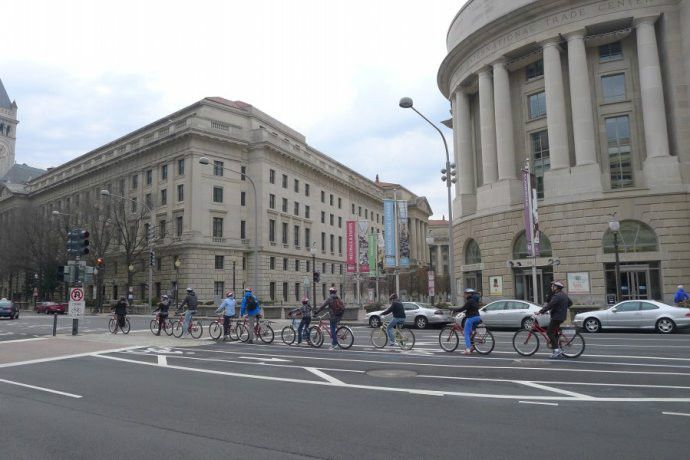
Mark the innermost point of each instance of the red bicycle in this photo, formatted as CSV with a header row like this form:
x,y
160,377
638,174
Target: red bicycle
x,y
195,328
316,335
526,341
167,326
482,339
262,329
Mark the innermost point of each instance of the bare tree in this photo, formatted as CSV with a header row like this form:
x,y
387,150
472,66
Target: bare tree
x,y
129,220
95,217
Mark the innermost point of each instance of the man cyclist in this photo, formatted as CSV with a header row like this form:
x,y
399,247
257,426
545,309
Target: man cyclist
x,y
191,302
334,317
120,313
250,307
558,306
472,318
228,310
398,311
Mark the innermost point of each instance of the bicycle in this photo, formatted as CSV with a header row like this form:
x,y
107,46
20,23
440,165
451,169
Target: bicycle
x,y
215,329
289,332
195,327
112,325
262,329
344,336
526,341
167,326
403,336
482,339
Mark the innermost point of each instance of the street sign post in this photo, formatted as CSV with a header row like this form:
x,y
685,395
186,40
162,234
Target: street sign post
x,y
77,305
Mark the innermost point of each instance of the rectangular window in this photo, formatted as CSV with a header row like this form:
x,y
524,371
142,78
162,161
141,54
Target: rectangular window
x,y
297,292
323,217
306,189
271,176
340,203
134,204
331,219
218,227
359,211
332,269
285,205
164,197
340,222
323,196
536,104
217,194
540,158
366,213
332,245
306,211
285,292
147,232
244,263
340,245
296,186
220,262
296,265
243,171
217,168
619,151
285,181
307,237
162,230
271,201
353,208
243,229
180,167
180,192
296,210
284,238
272,263
272,230
178,226
148,200
296,235
323,242
149,177
135,181
285,263
243,199
218,288
610,52
613,87
330,200
272,290
308,268
122,186
534,70
164,171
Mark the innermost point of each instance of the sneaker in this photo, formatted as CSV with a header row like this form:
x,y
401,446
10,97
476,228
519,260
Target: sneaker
x,y
250,341
468,351
557,354
393,344
158,333
334,347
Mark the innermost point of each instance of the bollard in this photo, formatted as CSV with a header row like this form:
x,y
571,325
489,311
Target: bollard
x,y
75,326
54,324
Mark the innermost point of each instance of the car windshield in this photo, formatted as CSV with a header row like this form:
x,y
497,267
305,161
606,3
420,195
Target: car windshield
x,y
5,303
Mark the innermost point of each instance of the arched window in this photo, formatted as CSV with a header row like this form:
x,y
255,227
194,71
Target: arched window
x,y
633,236
520,246
472,253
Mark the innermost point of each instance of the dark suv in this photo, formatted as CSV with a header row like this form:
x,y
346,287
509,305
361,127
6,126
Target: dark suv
x,y
8,309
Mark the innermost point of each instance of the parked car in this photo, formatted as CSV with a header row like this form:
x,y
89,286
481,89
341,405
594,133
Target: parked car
x,y
51,308
635,314
511,313
8,309
418,314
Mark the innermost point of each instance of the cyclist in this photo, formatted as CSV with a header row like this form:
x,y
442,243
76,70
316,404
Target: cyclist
x,y
334,317
398,317
228,310
303,328
120,312
472,318
558,306
191,302
163,307
252,309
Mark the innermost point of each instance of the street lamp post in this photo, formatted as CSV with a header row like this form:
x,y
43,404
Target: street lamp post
x,y
448,177
205,161
615,227
429,242
312,252
108,193
177,264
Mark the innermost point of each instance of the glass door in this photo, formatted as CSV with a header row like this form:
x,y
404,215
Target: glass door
x,y
634,283
524,288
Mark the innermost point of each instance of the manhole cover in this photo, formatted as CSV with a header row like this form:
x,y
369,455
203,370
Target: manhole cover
x,y
391,373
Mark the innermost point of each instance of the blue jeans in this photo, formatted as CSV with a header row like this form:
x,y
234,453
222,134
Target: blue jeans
x,y
470,323
334,325
302,330
187,319
389,330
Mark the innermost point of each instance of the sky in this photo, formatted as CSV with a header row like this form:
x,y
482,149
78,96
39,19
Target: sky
x,y
84,73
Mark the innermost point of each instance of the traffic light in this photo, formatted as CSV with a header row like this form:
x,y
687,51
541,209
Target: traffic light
x,y
100,262
449,173
152,258
83,240
77,242
317,277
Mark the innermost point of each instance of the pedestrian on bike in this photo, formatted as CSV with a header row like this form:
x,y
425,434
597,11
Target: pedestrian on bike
x,y
252,308
472,318
191,302
303,328
398,311
228,310
120,312
163,307
558,307
334,314
681,297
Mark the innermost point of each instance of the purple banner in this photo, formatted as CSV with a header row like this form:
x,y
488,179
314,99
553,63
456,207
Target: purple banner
x,y
526,199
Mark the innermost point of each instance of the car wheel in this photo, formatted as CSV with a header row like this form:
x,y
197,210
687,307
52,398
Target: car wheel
x,y
375,321
527,323
421,322
592,325
665,326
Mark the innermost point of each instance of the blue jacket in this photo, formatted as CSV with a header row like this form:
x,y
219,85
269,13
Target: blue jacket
x,y
255,311
228,305
680,296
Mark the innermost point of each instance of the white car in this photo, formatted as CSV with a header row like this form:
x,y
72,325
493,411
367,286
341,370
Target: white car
x,y
419,314
511,313
635,314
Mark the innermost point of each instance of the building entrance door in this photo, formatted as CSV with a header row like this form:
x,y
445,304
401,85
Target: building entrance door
x,y
634,282
524,289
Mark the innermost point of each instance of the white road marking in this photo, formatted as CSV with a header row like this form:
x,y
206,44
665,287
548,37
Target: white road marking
x,y
47,390
325,376
23,340
541,403
676,413
555,390
60,358
162,360
272,360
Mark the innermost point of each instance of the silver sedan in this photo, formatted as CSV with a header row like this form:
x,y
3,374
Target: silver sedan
x,y
635,314
511,313
419,314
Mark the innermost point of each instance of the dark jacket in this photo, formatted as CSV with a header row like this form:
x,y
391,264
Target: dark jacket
x,y
121,307
396,308
327,304
163,307
471,307
191,301
306,310
558,306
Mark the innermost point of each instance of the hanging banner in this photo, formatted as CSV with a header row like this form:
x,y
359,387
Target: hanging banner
x,y
535,219
373,266
350,258
526,196
529,203
403,234
389,233
363,245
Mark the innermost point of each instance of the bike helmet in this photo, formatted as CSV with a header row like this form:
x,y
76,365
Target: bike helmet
x,y
229,294
305,300
393,296
469,291
165,296
189,289
557,284
248,289
332,290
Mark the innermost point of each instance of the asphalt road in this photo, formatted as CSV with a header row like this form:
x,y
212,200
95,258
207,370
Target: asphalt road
x,y
140,396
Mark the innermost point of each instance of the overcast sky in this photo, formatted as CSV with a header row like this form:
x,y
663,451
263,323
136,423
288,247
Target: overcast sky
x,y
86,72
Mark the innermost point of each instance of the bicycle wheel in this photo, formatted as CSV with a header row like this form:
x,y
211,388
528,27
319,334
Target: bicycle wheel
x,y
315,336
448,339
345,337
525,342
215,330
177,329
126,328
483,340
288,335
242,333
233,331
406,338
572,344
379,338
266,333
196,329
153,325
112,325
168,325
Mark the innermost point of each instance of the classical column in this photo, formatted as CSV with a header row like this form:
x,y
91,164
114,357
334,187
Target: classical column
x,y
413,239
464,135
581,100
505,144
488,126
555,106
651,90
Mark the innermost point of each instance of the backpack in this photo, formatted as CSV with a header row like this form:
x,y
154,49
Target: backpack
x,y
251,303
337,306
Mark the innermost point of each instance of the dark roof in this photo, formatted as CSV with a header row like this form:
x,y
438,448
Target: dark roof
x,y
4,98
21,174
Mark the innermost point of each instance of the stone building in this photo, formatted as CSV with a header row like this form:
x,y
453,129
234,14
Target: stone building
x,y
595,95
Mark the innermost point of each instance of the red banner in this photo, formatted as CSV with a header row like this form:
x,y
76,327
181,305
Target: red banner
x,y
350,258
